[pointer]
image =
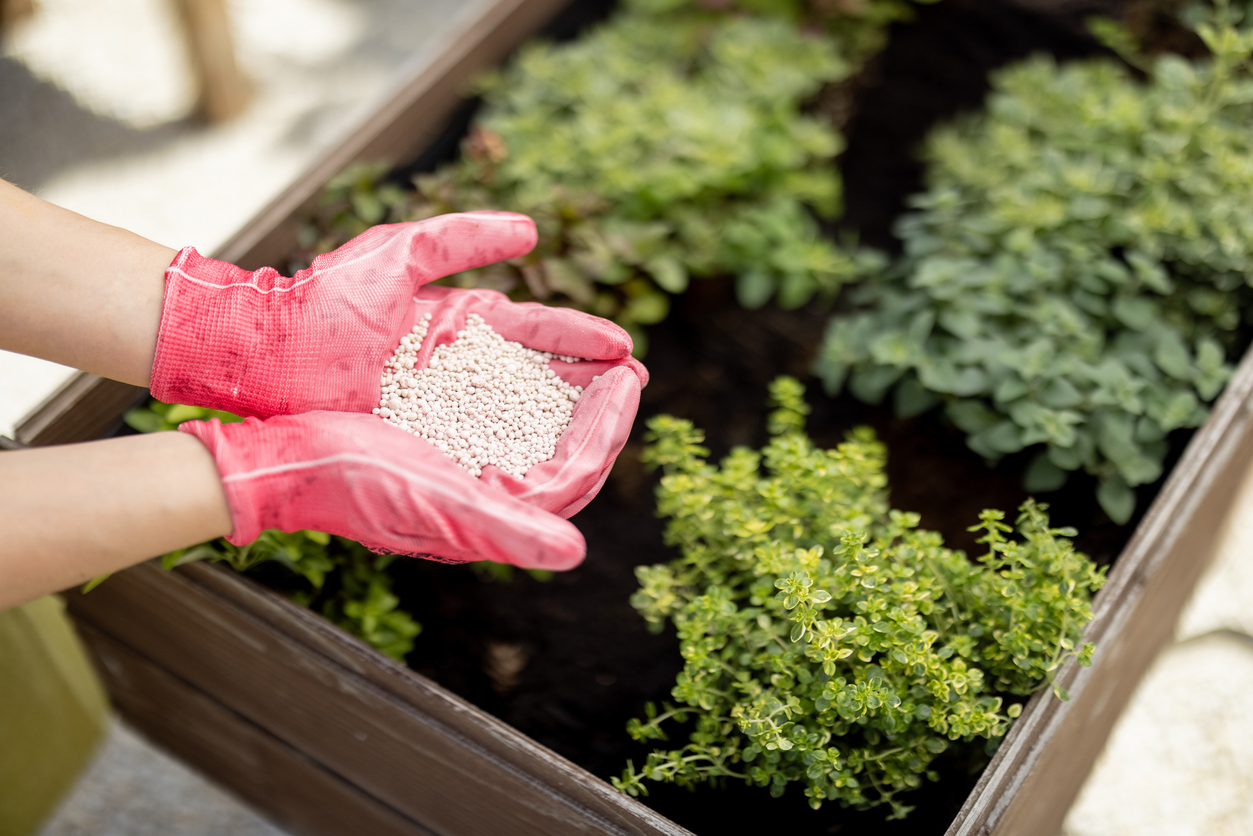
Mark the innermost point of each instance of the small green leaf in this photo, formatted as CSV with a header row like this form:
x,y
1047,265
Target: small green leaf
x,y
670,275
753,288
1043,476
179,413
648,309
144,420
1118,500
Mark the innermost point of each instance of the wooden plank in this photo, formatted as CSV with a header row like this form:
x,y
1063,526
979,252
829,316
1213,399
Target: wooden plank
x,y
415,748
292,791
402,127
313,631
13,12
85,407
1042,765
224,91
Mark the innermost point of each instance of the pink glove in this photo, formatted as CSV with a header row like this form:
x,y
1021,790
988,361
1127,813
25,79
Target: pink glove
x,y
356,476
261,344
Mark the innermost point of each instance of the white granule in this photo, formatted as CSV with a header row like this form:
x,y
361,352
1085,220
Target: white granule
x,y
481,399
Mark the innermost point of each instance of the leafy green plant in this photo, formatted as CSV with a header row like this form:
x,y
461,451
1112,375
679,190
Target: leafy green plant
x,y
337,577
826,639
1075,276
159,417
670,143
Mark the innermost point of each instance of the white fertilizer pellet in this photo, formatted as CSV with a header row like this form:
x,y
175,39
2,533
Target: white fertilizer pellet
x,y
481,399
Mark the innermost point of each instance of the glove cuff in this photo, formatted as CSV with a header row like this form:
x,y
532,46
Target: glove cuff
x,y
251,511
216,346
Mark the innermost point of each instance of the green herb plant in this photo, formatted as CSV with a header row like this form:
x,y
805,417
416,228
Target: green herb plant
x,y
1075,276
672,142
827,639
337,577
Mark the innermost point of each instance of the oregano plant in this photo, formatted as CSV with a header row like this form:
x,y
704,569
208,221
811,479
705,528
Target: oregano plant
x,y
675,141
828,640
1076,276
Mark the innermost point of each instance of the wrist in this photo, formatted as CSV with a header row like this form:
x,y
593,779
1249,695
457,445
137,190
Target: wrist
x,y
233,451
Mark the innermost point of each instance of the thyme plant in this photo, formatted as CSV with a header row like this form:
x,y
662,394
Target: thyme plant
x,y
1075,277
826,638
673,142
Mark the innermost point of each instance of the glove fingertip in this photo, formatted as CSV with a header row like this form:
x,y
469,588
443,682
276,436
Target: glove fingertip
x,y
640,370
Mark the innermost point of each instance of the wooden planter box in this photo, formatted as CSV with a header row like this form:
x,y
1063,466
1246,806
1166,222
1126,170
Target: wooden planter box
x,y
326,736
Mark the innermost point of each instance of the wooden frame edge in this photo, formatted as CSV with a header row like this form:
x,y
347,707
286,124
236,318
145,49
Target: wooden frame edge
x,y
1043,763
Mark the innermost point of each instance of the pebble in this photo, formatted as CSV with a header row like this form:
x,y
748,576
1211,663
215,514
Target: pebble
x,y
482,400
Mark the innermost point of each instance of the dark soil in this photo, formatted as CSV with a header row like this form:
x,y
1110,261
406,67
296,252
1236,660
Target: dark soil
x,y
568,661
588,664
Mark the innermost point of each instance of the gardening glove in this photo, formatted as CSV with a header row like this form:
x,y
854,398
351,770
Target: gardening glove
x,y
603,415
359,477
260,344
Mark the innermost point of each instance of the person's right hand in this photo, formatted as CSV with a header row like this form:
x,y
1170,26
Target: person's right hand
x,y
358,477
261,344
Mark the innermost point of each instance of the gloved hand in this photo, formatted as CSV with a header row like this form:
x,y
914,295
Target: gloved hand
x,y
259,344
356,476
604,413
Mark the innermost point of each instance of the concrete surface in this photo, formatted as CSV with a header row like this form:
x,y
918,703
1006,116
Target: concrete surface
x,y
132,789
1180,760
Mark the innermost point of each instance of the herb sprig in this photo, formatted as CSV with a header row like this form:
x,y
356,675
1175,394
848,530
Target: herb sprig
x,y
827,639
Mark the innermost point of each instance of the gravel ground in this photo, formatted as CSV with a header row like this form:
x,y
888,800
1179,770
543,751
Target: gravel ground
x,y
132,789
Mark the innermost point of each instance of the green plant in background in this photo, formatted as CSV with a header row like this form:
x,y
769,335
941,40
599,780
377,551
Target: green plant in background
x,y
159,417
1075,276
341,579
672,142
827,640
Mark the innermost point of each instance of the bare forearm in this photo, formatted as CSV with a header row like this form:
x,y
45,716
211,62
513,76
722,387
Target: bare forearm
x,y
75,512
76,291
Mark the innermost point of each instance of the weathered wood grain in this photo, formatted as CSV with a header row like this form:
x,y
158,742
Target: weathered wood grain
x,y
83,408
295,792
414,748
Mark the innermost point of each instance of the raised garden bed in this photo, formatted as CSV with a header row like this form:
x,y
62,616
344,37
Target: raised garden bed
x,y
328,736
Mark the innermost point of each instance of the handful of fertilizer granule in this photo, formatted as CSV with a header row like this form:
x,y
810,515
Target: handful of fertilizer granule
x,y
481,399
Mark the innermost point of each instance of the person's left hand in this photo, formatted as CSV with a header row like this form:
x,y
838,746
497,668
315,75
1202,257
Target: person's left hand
x,y
353,475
